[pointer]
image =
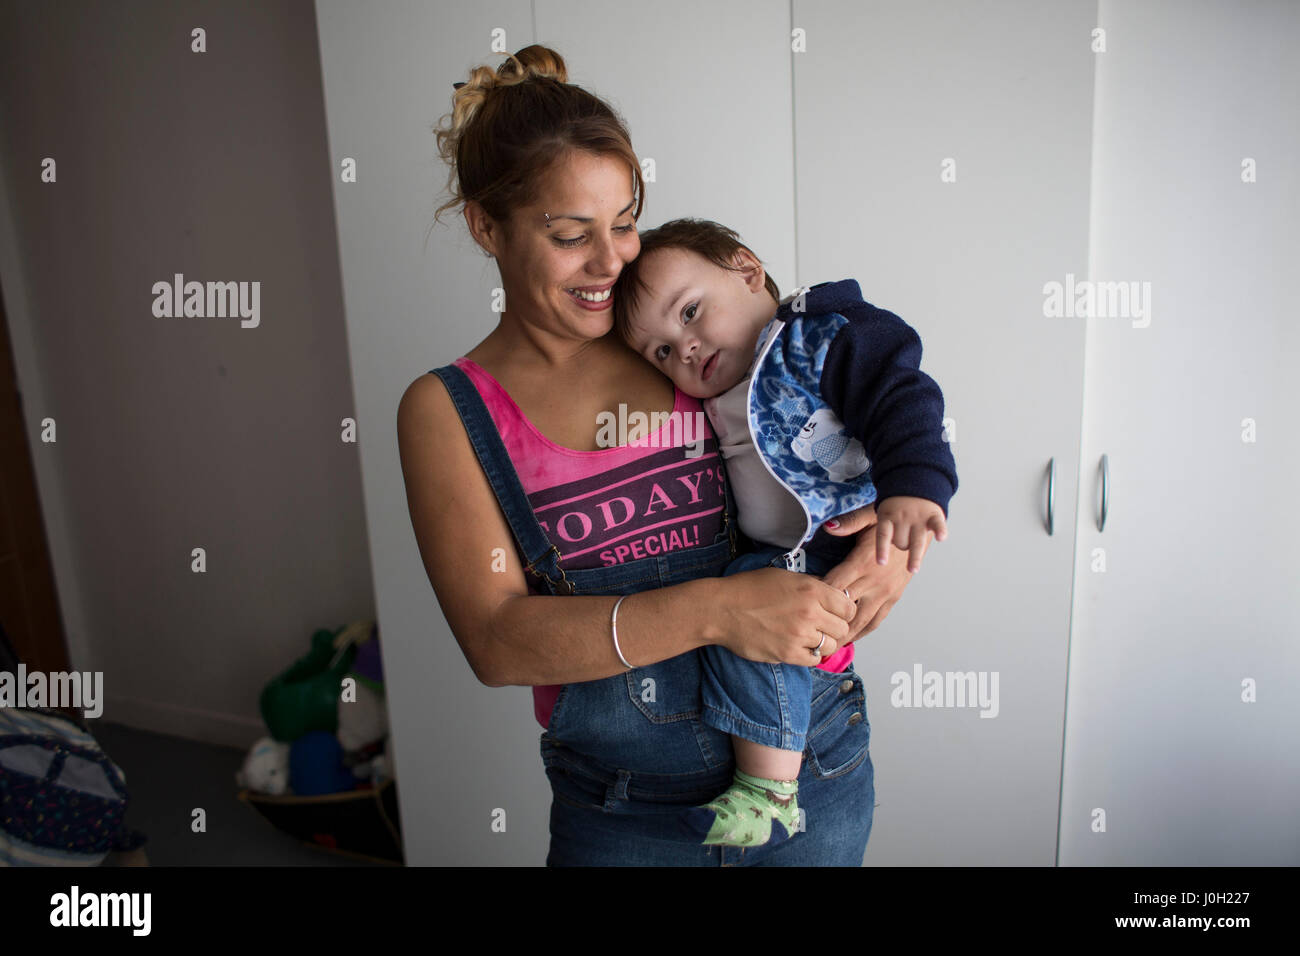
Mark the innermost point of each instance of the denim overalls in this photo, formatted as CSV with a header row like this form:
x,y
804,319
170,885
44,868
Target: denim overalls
x,y
625,754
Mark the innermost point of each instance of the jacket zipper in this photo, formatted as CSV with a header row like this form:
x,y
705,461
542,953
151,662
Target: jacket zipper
x,y
794,558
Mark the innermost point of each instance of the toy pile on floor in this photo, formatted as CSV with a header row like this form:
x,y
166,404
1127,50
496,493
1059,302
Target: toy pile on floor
x,y
324,774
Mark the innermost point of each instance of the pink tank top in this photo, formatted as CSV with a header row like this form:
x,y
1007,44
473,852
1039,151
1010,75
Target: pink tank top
x,y
646,497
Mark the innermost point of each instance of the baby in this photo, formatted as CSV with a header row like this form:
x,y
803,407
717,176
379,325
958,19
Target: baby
x,y
819,410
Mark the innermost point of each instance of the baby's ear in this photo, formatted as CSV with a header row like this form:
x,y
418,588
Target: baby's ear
x,y
750,268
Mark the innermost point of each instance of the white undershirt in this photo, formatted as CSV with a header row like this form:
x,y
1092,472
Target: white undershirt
x,y
768,513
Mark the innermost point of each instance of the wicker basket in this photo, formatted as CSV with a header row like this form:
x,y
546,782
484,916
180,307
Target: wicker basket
x,y
359,823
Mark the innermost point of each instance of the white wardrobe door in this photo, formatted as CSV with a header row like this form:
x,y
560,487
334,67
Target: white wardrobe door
x,y
705,90
1184,690
889,97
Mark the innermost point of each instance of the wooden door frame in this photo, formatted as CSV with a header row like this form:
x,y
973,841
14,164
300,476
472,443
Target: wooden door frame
x,y
29,602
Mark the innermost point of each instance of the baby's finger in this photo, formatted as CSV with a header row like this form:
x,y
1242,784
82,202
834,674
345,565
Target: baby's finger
x,y
938,526
884,540
905,534
917,552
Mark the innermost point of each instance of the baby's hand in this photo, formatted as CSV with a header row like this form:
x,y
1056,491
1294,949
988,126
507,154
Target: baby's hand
x,y
904,521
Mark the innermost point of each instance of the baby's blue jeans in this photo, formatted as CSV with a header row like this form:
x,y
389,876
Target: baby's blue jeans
x,y
769,704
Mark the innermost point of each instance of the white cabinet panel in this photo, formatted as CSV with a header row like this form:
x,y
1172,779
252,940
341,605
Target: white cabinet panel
x,y
1198,594
885,94
705,90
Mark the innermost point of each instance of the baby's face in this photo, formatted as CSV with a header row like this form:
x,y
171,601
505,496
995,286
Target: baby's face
x,y
697,322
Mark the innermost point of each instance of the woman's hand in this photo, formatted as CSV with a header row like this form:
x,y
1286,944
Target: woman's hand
x,y
876,588
776,616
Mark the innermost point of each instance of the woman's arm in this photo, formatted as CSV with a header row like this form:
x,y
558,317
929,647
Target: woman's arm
x,y
876,588
510,637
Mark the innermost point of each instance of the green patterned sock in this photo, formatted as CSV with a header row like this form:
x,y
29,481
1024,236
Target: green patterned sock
x,y
743,815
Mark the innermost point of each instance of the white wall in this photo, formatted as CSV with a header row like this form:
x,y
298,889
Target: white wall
x,y
190,432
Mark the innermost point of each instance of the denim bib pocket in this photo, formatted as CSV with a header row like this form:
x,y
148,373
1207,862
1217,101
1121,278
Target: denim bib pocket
x,y
668,691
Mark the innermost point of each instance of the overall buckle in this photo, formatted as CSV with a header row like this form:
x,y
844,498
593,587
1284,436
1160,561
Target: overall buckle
x,y
564,585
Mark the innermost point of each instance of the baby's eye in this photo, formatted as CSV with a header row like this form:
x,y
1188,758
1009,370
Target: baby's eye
x,y
661,353
688,313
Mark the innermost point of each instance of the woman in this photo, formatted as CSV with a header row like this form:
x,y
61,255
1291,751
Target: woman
x,y
513,499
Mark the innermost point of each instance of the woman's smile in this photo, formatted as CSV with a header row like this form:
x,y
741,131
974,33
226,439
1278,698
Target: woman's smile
x,y
593,298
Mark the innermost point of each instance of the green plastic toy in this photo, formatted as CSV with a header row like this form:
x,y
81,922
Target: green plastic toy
x,y
306,696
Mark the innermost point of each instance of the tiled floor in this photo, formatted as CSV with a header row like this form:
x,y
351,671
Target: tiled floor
x,y
168,777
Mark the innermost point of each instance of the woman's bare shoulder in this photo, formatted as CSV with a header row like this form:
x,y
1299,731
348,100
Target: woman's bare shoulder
x,y
430,435
425,402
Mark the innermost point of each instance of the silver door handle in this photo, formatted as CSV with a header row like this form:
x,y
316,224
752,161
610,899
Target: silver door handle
x,y
1105,491
1051,495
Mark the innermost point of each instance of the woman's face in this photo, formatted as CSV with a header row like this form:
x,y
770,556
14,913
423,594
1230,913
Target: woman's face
x,y
547,266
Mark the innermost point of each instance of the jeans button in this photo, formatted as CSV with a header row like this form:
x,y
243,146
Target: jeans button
x,y
855,719
846,686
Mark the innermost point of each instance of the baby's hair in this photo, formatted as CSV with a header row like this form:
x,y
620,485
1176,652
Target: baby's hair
x,y
508,126
714,241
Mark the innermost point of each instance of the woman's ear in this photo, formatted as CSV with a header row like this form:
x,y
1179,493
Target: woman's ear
x,y
485,230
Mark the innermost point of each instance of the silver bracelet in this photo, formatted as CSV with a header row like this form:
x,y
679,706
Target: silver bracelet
x,y
613,624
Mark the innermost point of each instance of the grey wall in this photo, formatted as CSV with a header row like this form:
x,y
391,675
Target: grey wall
x,y
176,433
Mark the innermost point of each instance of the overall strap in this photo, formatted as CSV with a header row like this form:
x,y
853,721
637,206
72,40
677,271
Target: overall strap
x,y
541,558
